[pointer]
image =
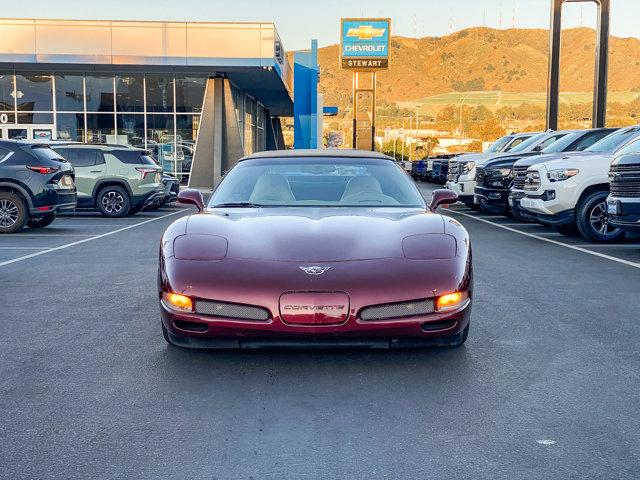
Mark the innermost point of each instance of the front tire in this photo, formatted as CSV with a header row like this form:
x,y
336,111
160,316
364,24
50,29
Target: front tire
x,y
521,216
13,212
113,201
459,339
592,220
41,222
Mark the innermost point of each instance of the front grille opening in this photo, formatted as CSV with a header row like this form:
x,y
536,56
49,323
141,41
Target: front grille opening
x,y
432,326
392,311
191,326
231,310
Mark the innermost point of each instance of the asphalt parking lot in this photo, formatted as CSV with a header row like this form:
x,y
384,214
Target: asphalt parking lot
x,y
548,385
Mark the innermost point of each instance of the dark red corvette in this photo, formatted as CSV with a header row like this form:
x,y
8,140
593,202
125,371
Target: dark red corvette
x,y
315,248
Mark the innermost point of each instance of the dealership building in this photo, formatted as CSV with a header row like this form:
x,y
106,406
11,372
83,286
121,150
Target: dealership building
x,y
197,95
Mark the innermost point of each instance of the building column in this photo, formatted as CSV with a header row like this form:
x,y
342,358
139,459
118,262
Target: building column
x,y
218,146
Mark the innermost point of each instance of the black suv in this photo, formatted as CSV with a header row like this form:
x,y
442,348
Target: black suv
x,y
35,184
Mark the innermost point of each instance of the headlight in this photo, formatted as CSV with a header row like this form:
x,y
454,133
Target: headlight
x,y
562,174
451,301
467,167
178,302
498,172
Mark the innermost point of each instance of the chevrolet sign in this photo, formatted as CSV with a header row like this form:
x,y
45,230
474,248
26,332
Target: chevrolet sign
x,y
365,43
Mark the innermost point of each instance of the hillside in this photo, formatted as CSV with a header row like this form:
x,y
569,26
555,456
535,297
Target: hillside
x,y
513,60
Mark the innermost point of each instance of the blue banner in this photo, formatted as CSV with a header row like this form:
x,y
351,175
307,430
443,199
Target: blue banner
x,y
364,38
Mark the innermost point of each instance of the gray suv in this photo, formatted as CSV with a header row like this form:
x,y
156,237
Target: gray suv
x,y
116,180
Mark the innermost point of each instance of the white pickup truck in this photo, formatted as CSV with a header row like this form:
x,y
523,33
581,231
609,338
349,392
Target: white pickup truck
x,y
462,174
570,193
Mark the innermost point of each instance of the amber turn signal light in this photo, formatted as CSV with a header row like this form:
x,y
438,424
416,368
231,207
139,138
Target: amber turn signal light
x,y
178,302
450,301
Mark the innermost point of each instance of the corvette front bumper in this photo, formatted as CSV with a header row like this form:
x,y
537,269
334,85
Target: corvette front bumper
x,y
197,331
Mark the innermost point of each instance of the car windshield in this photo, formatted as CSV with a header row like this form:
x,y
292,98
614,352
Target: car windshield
x,y
563,143
499,144
613,142
529,143
313,182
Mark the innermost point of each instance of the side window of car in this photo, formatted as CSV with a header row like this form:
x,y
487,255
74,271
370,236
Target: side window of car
x,y
587,140
81,158
517,142
549,141
99,158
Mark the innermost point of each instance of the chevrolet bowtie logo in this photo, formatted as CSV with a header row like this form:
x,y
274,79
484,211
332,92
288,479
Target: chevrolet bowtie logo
x,y
365,32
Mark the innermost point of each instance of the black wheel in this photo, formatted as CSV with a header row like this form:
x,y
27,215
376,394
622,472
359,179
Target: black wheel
x,y
167,337
41,222
490,209
459,339
113,201
134,210
592,220
13,212
521,215
567,230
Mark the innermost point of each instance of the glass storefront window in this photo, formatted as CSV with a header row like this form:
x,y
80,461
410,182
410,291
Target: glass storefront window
x,y
69,93
161,142
99,93
159,93
130,130
70,126
130,93
249,123
100,128
7,101
38,117
34,92
187,133
190,94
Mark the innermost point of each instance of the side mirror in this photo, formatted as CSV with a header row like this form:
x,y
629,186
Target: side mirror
x,y
191,197
442,197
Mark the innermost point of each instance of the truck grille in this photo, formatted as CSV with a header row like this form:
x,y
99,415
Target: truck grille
x,y
532,181
480,176
453,171
625,180
520,176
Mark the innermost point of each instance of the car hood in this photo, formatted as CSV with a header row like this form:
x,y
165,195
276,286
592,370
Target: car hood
x,y
548,157
569,161
308,234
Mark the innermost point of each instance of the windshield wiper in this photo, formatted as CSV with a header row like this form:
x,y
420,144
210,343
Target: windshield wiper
x,y
237,205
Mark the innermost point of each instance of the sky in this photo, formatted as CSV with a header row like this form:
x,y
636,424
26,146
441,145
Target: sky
x,y
299,21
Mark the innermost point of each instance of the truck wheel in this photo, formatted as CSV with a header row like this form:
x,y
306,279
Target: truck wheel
x,y
521,216
490,209
567,230
113,201
13,212
41,222
592,220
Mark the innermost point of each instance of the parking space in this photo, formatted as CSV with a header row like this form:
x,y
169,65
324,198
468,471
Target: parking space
x,y
627,251
546,387
70,229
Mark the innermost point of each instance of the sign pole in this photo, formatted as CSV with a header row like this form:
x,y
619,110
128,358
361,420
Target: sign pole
x,y
364,49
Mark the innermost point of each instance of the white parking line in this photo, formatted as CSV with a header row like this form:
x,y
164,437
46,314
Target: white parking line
x,y
84,240
23,248
16,235
548,240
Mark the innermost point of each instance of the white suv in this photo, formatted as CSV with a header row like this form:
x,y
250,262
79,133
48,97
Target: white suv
x,y
462,173
570,193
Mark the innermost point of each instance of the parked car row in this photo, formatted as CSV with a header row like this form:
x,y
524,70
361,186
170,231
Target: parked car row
x,y
432,169
583,182
37,181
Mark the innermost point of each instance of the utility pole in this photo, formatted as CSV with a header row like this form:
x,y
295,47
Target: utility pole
x,y
410,130
395,139
403,133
